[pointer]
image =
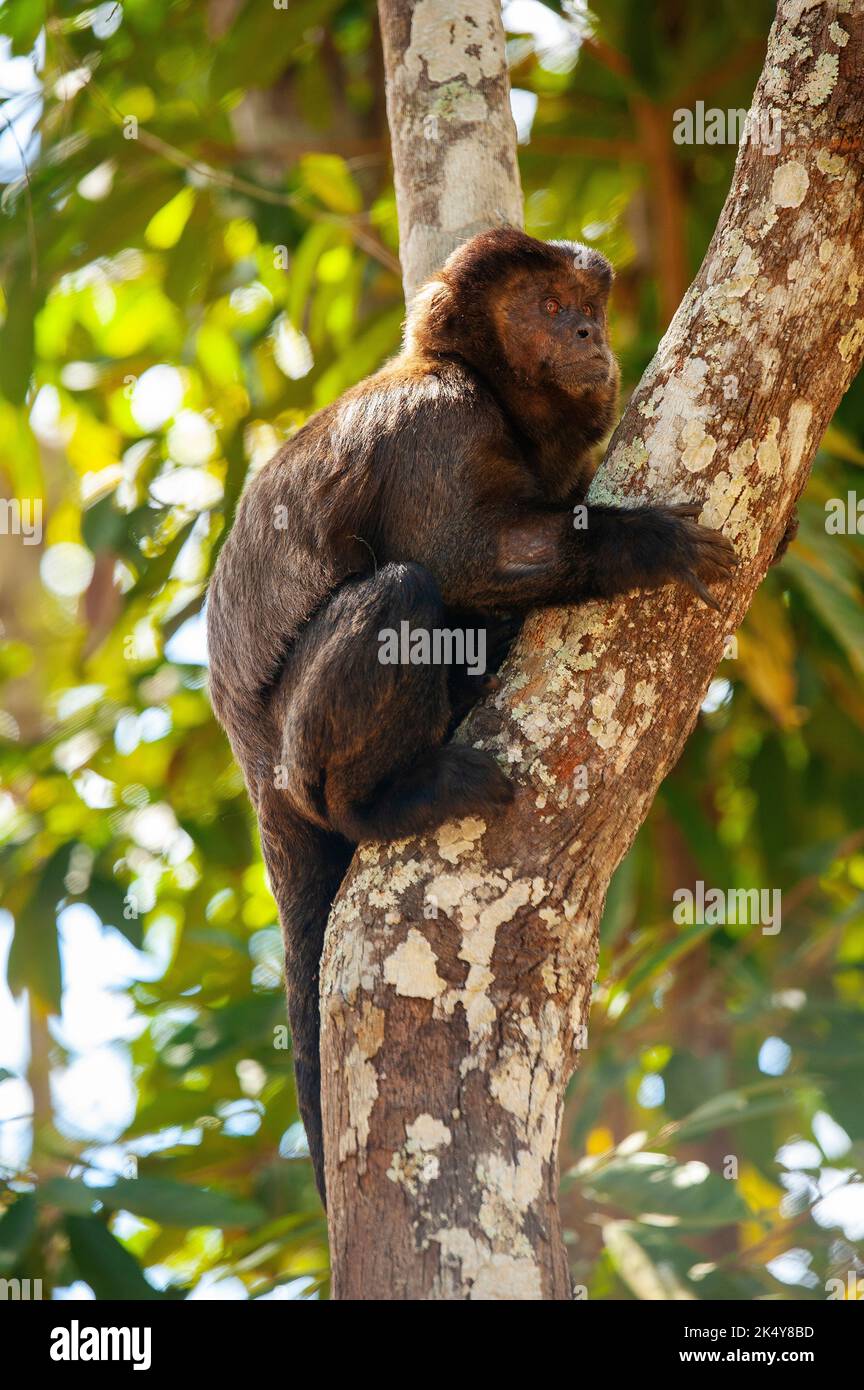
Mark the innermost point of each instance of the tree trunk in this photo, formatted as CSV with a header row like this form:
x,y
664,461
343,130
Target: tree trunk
x,y
453,137
458,966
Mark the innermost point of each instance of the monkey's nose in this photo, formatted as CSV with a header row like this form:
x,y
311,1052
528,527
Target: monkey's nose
x,y
583,333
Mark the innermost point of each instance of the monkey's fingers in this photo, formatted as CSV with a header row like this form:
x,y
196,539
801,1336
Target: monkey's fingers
x,y
720,557
713,550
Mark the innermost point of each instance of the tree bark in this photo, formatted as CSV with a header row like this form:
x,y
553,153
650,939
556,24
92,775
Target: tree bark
x,y
453,137
458,967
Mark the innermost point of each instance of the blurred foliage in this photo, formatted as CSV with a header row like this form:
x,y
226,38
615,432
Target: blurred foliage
x,y
201,251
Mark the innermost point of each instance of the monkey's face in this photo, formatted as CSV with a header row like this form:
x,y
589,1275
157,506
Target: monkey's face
x,y
552,326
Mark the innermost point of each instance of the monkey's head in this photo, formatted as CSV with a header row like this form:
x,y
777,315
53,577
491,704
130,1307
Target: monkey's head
x,y
535,310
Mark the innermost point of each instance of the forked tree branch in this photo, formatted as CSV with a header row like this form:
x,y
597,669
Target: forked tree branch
x,y
458,966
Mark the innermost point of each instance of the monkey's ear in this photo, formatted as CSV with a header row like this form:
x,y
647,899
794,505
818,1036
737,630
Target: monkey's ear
x,y
586,259
428,316
600,267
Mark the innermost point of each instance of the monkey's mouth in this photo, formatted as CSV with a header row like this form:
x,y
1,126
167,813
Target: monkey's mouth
x,y
597,364
584,374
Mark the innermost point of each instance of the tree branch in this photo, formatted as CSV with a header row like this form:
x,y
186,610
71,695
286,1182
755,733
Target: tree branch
x,y
458,967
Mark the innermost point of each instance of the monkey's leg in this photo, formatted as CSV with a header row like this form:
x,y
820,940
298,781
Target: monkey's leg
x,y
363,736
494,635
361,758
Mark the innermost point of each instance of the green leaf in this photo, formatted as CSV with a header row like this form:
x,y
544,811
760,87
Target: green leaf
x,y
320,237
108,899
664,955
642,45
156,1199
736,1107
175,1204
34,957
104,1263
17,337
69,1194
104,527
621,897
838,443
243,1023
648,1280
174,1106
17,1229
191,261
329,178
22,21
156,572
836,603
261,42
649,1184
368,348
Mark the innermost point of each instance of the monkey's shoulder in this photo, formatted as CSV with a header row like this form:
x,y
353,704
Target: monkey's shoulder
x,y
413,417
416,393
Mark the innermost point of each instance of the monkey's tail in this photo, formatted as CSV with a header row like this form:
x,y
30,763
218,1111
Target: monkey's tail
x,y
306,866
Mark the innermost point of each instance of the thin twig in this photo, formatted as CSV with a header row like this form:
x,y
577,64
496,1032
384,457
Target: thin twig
x,y
6,124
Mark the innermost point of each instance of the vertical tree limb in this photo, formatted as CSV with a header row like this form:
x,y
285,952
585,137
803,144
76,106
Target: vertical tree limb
x,y
458,967
453,138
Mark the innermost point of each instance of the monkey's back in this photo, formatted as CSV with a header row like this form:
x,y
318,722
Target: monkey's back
x,y
343,495
269,578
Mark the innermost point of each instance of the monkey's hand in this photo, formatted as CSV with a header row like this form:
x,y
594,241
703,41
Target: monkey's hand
x,y
698,554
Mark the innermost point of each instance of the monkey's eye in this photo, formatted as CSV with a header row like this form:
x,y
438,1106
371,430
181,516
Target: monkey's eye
x,y
588,310
552,307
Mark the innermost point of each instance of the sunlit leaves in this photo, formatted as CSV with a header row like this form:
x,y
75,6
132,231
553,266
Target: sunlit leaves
x,y
104,1263
185,326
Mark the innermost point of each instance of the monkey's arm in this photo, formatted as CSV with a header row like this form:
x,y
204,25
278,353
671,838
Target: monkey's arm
x,y
539,558
616,550
494,542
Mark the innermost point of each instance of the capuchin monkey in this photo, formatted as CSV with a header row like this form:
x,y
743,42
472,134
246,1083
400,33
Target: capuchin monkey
x,y
438,493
